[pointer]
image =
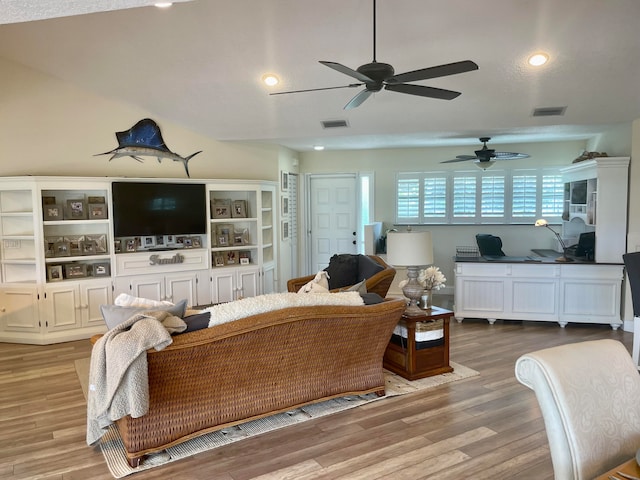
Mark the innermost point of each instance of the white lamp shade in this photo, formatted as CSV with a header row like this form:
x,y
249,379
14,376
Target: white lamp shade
x,y
406,249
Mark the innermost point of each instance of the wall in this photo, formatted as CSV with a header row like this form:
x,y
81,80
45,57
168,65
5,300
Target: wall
x,y
49,127
518,240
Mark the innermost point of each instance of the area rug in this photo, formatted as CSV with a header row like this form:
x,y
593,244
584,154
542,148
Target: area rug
x,y
114,453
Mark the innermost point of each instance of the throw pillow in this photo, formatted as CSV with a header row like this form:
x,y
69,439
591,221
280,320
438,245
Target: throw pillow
x,y
342,270
114,314
126,300
360,287
367,267
371,298
317,285
197,321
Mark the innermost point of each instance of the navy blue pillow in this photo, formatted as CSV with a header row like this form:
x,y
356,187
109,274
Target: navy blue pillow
x,y
371,298
342,270
197,321
367,267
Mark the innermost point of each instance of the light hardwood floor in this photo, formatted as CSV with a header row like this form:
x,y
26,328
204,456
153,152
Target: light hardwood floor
x,y
486,427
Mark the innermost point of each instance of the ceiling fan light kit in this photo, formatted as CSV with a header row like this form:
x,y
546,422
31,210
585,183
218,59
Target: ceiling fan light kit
x,y
376,76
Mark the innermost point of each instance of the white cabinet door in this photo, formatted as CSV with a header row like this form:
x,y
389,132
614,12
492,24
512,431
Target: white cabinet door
x,y
268,279
151,287
61,306
181,286
248,284
19,310
92,295
223,285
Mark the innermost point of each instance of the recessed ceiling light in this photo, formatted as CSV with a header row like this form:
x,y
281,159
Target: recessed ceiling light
x,y
538,59
163,4
270,79
318,147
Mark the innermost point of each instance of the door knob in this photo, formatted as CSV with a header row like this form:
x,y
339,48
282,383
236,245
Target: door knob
x,y
354,242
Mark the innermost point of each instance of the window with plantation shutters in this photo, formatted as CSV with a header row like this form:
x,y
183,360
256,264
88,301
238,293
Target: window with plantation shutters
x,y
408,199
464,197
502,196
492,197
524,195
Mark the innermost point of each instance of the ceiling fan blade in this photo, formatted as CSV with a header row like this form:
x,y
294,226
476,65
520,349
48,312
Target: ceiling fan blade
x,y
435,72
460,158
347,71
510,156
351,85
423,91
358,99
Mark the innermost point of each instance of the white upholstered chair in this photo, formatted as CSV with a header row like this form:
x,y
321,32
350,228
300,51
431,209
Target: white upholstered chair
x,y
589,395
632,265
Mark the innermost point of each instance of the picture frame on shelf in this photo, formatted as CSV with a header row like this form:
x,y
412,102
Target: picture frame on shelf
x,y
149,241
285,230
159,240
188,242
75,210
62,249
222,240
52,212
239,237
169,239
101,242
101,269
224,234
196,242
75,243
97,211
245,258
231,257
239,209
218,259
117,245
220,208
180,240
75,270
132,245
88,247
96,199
54,273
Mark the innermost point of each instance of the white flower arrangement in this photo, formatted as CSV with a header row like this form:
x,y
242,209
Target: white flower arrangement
x,y
431,278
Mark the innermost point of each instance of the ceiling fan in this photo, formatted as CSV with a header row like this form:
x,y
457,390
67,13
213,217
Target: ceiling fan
x,y
486,157
377,75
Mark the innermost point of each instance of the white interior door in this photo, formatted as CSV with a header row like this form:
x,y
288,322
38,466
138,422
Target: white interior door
x,y
333,217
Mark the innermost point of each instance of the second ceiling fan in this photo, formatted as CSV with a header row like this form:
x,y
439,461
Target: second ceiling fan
x,y
377,75
485,157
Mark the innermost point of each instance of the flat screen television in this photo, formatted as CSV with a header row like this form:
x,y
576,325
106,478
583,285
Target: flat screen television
x,y
147,209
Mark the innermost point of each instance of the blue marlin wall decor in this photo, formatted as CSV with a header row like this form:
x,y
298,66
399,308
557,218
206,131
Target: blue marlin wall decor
x,y
145,140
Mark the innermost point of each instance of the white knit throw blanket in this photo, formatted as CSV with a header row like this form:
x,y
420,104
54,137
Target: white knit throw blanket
x,y
228,312
118,377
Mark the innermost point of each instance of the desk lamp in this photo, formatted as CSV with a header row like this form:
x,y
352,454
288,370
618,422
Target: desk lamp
x,y
541,222
412,250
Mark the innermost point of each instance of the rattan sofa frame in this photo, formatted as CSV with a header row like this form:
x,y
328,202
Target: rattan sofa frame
x,y
258,366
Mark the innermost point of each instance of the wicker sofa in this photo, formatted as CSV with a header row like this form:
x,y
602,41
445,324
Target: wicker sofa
x,y
257,366
378,282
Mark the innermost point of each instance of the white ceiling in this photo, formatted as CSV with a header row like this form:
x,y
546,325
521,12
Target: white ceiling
x,y
199,64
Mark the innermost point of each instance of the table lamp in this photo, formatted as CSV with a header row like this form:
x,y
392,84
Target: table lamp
x,y
412,250
541,222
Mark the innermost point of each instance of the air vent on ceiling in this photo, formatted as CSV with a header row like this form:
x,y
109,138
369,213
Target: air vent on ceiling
x,y
334,124
549,111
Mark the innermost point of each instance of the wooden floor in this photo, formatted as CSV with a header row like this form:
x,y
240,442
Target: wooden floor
x,y
486,427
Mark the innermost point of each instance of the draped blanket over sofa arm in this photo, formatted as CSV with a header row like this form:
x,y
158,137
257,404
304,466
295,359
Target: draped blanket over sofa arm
x,y
257,366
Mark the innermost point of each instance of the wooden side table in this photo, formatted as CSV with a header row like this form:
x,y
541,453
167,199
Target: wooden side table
x,y
411,363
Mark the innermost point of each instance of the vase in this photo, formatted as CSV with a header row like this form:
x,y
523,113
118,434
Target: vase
x,y
427,299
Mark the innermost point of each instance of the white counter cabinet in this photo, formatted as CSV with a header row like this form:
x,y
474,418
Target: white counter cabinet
x,y
548,292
